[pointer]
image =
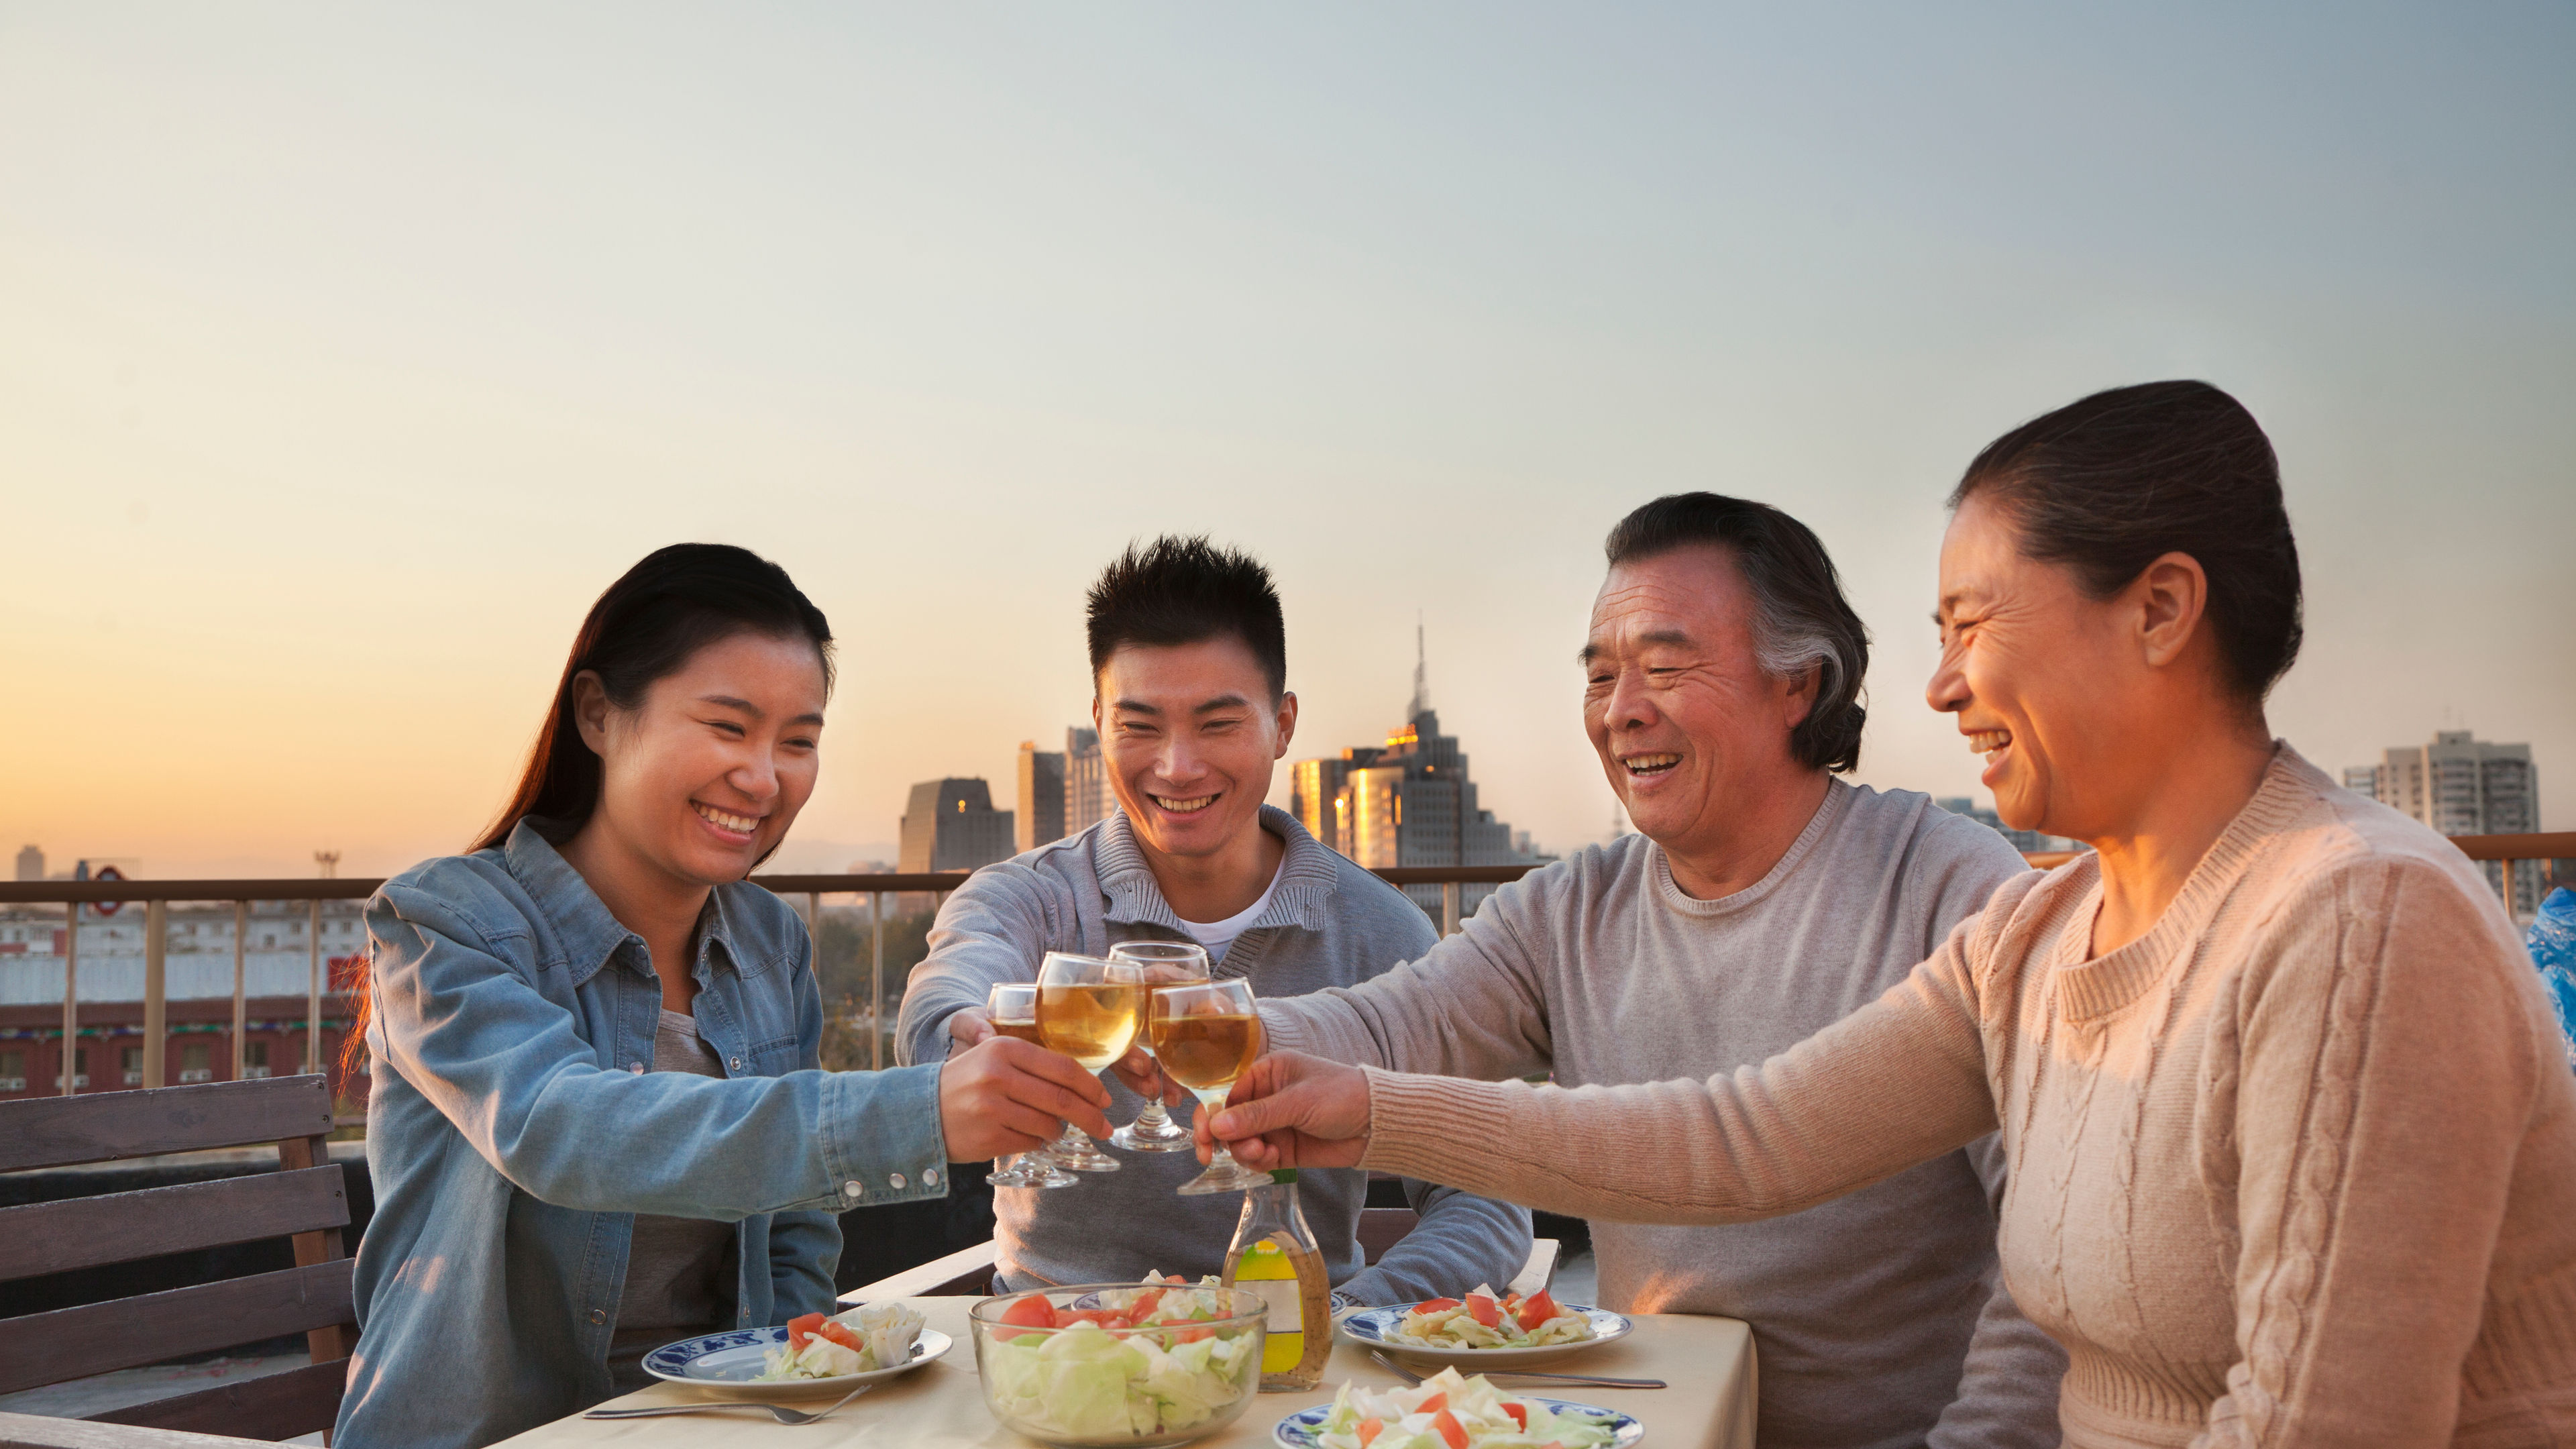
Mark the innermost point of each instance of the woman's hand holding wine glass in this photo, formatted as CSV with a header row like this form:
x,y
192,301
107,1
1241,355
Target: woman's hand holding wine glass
x,y
1291,1110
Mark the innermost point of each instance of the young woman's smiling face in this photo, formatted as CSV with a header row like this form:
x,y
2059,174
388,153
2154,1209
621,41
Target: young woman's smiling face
x,y
703,777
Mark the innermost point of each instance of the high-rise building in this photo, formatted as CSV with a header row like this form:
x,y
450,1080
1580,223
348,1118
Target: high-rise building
x,y
1087,800
1408,802
952,825
31,862
2462,785
1042,797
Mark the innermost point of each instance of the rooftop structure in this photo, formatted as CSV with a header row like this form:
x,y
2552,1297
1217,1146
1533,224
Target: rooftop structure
x,y
951,825
2462,785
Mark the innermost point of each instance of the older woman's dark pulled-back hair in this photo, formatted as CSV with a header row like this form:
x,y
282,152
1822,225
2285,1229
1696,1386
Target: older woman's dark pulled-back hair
x,y
2108,485
1801,620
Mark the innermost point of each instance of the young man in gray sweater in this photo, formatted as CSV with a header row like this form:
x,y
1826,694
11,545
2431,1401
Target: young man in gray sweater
x,y
1762,901
1189,663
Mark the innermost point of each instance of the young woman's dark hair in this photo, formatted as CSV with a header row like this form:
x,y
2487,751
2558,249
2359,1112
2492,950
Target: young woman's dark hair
x,y
1800,618
673,603
2108,485
1179,590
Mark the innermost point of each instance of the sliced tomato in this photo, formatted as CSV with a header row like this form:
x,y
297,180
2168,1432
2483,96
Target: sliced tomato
x,y
1539,1309
800,1330
1436,1401
1369,1430
1482,1309
1435,1305
1147,1300
1519,1412
1106,1318
840,1333
1193,1335
1451,1432
1033,1311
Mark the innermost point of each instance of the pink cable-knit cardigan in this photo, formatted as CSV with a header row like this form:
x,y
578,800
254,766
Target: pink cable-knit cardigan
x,y
2298,1166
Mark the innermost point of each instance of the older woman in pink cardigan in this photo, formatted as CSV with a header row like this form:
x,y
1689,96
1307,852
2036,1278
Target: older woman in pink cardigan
x,y
2293,1143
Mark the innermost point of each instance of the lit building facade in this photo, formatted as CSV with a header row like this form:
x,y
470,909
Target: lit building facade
x,y
1043,797
1087,800
1408,802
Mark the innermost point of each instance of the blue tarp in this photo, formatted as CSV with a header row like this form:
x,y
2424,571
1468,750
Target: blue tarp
x,y
2553,950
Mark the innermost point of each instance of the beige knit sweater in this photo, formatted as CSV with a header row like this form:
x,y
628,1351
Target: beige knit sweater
x,y
2297,1167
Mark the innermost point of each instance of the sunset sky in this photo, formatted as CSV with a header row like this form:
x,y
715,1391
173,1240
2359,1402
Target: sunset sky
x,y
346,353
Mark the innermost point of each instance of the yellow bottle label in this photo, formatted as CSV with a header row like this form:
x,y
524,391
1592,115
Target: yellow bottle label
x,y
1266,1271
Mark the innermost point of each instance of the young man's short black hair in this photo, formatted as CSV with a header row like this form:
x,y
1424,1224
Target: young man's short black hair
x,y
1181,591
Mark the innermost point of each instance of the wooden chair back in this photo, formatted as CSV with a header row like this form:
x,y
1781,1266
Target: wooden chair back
x,y
304,1201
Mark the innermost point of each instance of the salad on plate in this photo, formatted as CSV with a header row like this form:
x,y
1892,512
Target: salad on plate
x,y
1146,1361
1446,1411
863,1340
1487,1320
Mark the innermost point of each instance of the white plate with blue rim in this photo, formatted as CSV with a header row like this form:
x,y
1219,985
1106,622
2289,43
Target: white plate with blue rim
x,y
1304,1429
1373,1327
726,1364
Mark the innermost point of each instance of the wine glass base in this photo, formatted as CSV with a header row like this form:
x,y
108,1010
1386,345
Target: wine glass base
x,y
1028,1174
1082,1155
1227,1176
1176,1139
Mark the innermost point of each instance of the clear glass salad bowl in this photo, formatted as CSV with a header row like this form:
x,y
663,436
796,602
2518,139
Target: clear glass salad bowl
x,y
1071,1366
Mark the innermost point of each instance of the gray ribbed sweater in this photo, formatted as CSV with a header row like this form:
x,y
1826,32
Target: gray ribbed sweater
x,y
1876,1318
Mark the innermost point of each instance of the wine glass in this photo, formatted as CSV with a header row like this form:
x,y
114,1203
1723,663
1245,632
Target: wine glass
x,y
1165,963
1204,1036
1088,1009
1013,1007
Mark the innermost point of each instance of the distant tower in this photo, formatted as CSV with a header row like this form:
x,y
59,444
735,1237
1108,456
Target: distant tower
x,y
329,860
1421,675
31,862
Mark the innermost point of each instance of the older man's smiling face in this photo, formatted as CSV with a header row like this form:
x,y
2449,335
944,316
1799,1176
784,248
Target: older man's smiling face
x,y
1675,702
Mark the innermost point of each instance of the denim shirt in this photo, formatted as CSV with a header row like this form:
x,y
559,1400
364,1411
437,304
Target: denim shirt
x,y
513,1132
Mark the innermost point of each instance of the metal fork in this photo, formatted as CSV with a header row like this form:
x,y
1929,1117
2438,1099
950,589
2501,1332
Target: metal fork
x,y
781,1414
1594,1380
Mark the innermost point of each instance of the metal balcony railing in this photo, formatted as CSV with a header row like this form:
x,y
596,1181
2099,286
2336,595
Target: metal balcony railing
x,y
157,897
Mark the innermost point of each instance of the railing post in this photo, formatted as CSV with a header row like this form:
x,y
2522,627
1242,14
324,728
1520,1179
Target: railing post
x,y
876,982
1449,908
313,998
156,989
241,1007
71,997
2504,870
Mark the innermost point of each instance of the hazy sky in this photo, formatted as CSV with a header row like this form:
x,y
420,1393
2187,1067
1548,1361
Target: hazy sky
x,y
347,352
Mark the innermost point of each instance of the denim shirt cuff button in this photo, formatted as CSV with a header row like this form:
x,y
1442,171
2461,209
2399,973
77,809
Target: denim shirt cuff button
x,y
853,1188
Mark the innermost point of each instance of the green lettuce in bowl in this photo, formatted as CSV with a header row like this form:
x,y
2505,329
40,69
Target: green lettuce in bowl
x,y
1129,1364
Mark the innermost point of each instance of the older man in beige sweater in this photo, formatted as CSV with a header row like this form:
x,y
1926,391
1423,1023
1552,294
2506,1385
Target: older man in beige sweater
x,y
1763,901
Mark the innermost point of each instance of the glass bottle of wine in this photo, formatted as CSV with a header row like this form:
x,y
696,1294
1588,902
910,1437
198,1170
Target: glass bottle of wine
x,y
1274,1255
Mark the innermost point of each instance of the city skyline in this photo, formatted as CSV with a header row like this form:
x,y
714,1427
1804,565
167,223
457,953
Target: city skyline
x,y
351,355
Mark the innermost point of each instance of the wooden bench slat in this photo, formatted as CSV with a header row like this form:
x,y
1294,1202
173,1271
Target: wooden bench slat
x,y
67,1343
105,1126
33,1431
271,1407
119,1227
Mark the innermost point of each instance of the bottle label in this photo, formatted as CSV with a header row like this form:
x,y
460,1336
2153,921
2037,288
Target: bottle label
x,y
1281,1298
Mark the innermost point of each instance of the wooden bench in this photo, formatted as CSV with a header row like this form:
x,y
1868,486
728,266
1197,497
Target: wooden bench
x,y
304,1201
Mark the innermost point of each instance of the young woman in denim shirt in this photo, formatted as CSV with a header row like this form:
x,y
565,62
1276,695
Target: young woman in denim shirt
x,y
596,1120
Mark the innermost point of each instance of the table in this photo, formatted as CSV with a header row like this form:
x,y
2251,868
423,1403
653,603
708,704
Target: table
x,y
1708,1362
